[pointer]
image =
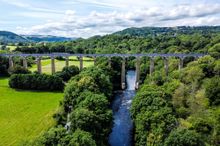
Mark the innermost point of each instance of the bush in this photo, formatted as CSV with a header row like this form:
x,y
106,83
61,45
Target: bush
x,y
153,117
212,90
81,138
98,125
91,79
20,70
36,82
86,96
95,102
68,72
59,136
3,66
75,88
184,137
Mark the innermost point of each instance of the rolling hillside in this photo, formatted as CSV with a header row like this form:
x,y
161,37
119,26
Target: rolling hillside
x,y
46,38
10,37
154,31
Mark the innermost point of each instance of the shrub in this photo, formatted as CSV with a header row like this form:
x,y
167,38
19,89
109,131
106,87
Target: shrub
x,y
68,72
36,82
3,66
20,70
59,136
184,137
81,138
75,88
91,79
98,125
212,90
153,117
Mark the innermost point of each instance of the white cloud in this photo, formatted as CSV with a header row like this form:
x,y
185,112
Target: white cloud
x,y
98,23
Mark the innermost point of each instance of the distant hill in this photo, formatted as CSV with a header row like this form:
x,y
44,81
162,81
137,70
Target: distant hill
x,y
46,38
153,31
10,37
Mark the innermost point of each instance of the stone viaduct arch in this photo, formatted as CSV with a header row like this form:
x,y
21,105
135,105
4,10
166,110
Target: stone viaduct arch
x,y
108,56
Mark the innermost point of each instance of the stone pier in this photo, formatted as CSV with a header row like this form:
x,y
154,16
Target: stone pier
x,y
67,61
94,60
151,65
137,73
181,59
166,65
39,67
109,56
80,63
123,75
11,63
53,68
25,65
109,62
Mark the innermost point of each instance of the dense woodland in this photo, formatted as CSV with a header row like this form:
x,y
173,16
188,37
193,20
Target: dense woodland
x,y
182,108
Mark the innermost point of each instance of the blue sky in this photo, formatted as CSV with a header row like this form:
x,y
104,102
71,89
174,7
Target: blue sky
x,y
85,18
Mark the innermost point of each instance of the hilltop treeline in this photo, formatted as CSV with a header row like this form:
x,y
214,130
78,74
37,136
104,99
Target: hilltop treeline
x,y
206,41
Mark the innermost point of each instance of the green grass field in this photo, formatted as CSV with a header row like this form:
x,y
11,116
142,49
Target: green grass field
x,y
25,114
12,48
46,64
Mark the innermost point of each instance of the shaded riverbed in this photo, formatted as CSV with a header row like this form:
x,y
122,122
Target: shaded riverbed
x,y
122,129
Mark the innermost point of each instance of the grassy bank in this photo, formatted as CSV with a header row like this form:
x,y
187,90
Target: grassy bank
x,y
25,114
46,64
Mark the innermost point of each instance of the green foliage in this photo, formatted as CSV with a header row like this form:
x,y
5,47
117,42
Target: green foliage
x,y
82,138
139,40
75,87
148,96
95,102
91,79
52,137
171,86
152,116
217,67
86,97
68,72
192,74
202,126
19,70
184,137
3,66
101,78
212,87
207,64
84,119
88,120
215,51
36,82
179,100
59,136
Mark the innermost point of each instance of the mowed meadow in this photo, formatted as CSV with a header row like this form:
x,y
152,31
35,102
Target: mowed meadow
x,y
46,64
24,115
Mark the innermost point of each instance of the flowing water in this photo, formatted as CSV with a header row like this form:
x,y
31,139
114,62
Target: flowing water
x,y
122,129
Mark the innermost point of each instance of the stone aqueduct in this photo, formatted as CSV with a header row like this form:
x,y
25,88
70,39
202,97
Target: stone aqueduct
x,y
109,56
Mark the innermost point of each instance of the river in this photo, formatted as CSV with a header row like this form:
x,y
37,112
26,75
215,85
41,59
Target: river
x,y
123,126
